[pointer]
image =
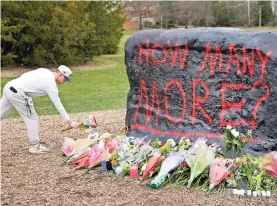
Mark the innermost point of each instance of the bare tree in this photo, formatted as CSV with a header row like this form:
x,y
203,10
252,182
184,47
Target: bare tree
x,y
169,11
191,12
140,9
207,12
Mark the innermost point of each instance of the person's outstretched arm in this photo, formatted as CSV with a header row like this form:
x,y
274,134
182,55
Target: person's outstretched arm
x,y
53,93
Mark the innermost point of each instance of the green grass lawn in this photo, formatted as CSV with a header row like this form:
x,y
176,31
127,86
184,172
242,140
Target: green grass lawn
x,y
260,28
91,90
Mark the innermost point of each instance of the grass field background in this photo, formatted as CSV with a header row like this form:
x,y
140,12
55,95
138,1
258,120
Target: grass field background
x,y
103,88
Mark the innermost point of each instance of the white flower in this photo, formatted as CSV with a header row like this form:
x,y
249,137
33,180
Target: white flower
x,y
125,147
229,127
188,142
143,167
172,142
234,132
213,149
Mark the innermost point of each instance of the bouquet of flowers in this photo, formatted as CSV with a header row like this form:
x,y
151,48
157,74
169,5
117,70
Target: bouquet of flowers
x,y
111,144
249,171
233,140
269,163
81,144
198,158
151,164
119,153
97,155
219,171
68,146
172,162
131,154
86,125
83,159
74,150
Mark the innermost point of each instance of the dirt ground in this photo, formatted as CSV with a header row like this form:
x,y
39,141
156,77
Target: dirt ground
x,y
29,179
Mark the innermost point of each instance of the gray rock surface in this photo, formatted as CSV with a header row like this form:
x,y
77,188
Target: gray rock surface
x,y
195,82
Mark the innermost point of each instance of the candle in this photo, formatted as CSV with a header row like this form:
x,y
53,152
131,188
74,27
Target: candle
x,y
263,193
268,193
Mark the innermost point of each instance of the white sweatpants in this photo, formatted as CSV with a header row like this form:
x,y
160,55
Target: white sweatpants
x,y
19,102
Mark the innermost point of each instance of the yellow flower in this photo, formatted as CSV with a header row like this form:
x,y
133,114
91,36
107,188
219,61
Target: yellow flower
x,y
258,178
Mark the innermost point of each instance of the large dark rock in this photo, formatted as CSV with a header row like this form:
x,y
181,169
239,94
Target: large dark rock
x,y
195,82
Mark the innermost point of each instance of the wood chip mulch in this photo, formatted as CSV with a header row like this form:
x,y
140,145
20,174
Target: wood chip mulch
x,y
29,179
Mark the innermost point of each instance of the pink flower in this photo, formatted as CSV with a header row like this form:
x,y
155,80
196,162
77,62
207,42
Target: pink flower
x,y
244,161
235,167
188,142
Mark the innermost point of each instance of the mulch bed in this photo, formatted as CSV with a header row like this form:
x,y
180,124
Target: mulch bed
x,y
29,179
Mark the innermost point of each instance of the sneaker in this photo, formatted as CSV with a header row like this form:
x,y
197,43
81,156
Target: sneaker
x,y
38,150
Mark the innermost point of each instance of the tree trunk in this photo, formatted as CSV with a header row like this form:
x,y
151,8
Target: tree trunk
x,y
140,23
207,14
166,22
248,13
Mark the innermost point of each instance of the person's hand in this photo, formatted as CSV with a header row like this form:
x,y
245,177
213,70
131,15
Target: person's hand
x,y
74,124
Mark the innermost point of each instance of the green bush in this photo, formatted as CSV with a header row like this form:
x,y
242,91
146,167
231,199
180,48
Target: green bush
x,y
51,33
147,24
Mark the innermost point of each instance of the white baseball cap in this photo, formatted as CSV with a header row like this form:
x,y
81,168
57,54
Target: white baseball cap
x,y
65,71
